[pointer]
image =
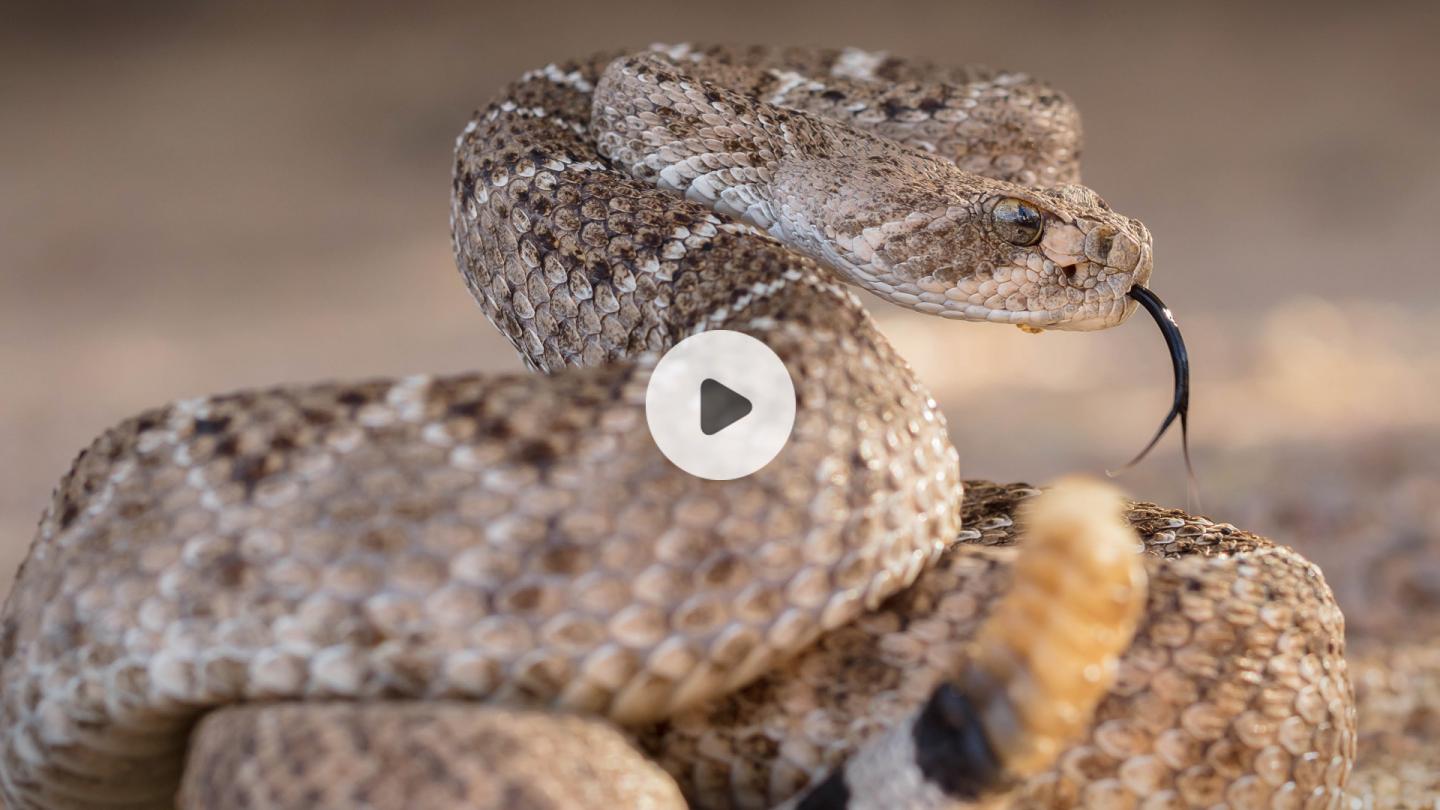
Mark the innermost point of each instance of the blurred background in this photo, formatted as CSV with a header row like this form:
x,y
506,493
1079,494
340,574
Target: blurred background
x,y
203,197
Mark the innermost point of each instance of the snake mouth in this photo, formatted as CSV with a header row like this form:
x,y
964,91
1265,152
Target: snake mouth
x,y
1180,363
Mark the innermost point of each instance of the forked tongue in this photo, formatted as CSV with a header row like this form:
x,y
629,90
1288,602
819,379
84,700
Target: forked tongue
x,y
1180,362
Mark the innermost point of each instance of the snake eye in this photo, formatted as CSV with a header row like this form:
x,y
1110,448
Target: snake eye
x,y
1017,222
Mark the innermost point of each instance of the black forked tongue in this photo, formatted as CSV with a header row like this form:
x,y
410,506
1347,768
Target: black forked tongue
x,y
1180,360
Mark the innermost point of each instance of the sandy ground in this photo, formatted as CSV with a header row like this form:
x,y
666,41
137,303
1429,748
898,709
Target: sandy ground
x,y
200,199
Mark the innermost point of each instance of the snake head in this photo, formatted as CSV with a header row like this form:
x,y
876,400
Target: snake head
x,y
1055,258
1090,247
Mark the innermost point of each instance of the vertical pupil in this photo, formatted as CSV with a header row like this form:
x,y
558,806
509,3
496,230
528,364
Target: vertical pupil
x,y
1024,221
1019,213
1023,215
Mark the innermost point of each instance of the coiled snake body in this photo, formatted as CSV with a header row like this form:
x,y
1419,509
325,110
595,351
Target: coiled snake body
x,y
377,568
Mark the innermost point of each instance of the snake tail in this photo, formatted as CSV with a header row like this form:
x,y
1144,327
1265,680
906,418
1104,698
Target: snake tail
x,y
1037,672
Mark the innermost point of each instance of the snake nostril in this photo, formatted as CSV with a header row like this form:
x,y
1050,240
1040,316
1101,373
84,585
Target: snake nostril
x,y
1070,270
1098,242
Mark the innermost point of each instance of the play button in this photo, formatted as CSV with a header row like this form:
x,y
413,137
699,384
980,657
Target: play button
x,y
720,405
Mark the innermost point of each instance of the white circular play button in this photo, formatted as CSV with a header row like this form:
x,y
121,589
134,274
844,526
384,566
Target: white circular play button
x,y
720,405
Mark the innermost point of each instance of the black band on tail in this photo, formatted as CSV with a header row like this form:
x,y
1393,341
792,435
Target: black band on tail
x,y
951,748
832,794
951,752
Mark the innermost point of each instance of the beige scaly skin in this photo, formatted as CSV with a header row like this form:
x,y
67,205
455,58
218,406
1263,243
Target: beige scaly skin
x,y
519,540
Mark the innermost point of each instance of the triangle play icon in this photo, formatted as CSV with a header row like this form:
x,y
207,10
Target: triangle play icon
x,y
720,407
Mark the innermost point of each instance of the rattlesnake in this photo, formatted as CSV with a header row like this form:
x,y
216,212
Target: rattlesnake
x,y
398,576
